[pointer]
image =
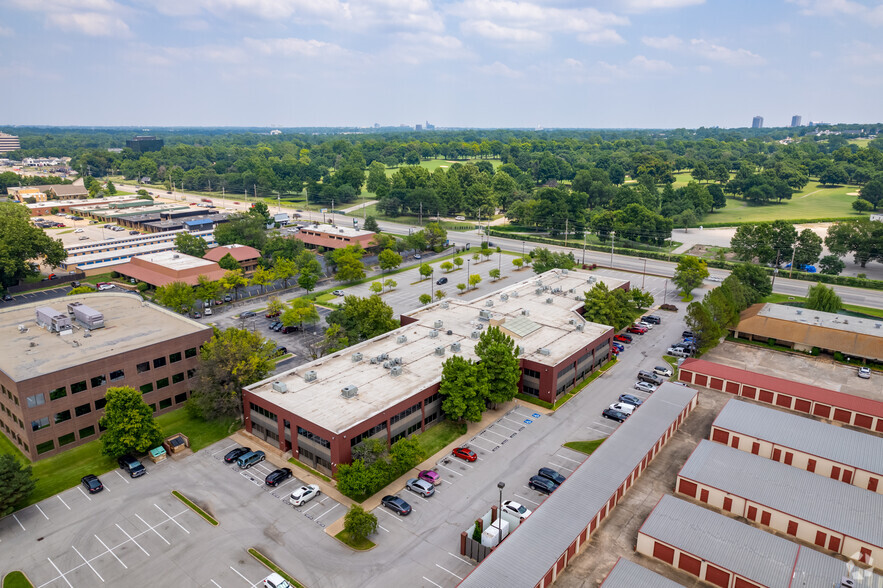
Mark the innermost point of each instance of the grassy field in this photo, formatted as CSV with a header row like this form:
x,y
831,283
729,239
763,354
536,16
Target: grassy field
x,y
860,142
814,201
437,437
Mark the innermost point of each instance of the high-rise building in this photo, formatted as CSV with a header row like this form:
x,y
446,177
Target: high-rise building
x,y
429,126
796,120
143,144
418,127
757,122
8,143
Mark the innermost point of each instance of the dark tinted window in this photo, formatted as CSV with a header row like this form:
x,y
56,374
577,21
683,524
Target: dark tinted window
x,y
99,404
58,393
117,375
162,384
175,357
143,367
190,352
147,388
83,409
62,416
99,381
159,362
78,387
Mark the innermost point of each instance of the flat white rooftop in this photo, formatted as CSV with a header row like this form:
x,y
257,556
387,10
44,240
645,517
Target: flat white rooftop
x,y
829,320
337,230
547,325
175,261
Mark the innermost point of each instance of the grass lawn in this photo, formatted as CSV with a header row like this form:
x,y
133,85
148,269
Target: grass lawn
x,y
586,447
684,177
360,544
105,277
814,201
201,433
780,298
7,446
16,579
467,225
437,437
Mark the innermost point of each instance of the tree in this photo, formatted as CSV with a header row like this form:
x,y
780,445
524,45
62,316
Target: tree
x,y
435,235
376,287
461,287
378,182
111,189
425,299
873,191
190,244
464,389
363,318
371,222
284,269
128,423
458,261
474,280
233,280
228,262
822,298
701,322
861,237
349,264
767,242
425,271
494,274
300,311
807,248
359,523
178,296
390,284
389,259
499,356
261,277
16,483
690,273
230,360
544,260
22,243
518,262
260,210
439,294
447,266
861,205
831,265
279,247
486,252
275,306
335,339
600,306
718,198
755,279
833,175
244,229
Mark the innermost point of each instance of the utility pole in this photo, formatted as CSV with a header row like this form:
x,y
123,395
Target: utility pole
x,y
612,239
793,253
584,247
255,192
566,227
278,201
644,275
421,214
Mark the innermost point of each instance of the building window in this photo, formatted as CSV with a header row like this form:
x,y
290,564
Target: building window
x,y
188,353
36,400
152,407
100,403
165,403
148,387
404,413
143,367
530,391
434,398
62,416
431,417
86,432
117,375
159,362
313,437
191,373
83,409
66,439
263,411
45,446
531,373
40,424
180,398
58,393
175,357
178,378
162,383
370,432
99,381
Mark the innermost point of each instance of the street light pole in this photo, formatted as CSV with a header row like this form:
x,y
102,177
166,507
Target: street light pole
x,y
500,485
612,239
644,274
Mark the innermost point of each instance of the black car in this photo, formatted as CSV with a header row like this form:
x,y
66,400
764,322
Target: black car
x,y
234,454
246,314
7,298
279,351
278,326
688,334
288,329
652,319
396,504
614,415
132,465
541,484
551,474
276,477
272,325
441,281
92,483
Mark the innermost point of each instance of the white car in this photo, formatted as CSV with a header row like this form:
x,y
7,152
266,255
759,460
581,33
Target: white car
x,y
303,495
715,279
623,407
864,372
459,218
78,230
338,293
647,326
105,286
274,580
207,311
645,387
516,509
662,371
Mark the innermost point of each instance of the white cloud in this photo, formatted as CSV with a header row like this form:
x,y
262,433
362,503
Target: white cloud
x,y
573,63
863,55
414,48
499,70
605,37
293,47
669,42
706,50
495,32
830,8
647,5
93,24
650,65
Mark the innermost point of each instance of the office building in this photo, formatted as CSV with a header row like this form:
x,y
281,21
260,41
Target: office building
x,y
757,122
9,143
795,120
334,236
143,144
161,269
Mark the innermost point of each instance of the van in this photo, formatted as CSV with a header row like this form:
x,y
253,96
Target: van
x,y
249,459
678,352
649,377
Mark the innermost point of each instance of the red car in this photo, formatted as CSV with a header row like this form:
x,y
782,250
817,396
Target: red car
x,y
636,329
464,453
622,338
272,314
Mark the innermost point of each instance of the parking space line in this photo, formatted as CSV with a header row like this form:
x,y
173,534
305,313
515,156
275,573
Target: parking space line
x,y
461,559
110,551
121,476
215,583
504,427
132,539
224,450
172,519
379,526
149,528
286,482
62,501
431,582
514,421
526,499
561,467
241,576
495,433
485,440
59,573
84,494
326,512
599,431
449,469
311,508
568,459
450,572
41,512
87,563
19,523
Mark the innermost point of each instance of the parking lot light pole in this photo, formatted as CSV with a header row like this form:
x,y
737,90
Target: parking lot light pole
x,y
500,485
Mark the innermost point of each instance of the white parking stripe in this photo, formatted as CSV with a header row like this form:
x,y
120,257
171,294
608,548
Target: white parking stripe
x,y
41,511
110,551
493,444
514,421
526,499
149,528
286,482
568,459
171,519
87,563
121,476
59,573
19,523
431,582
62,501
449,469
599,431
502,427
224,450
215,583
326,512
132,539
561,467
241,576
450,572
495,433
461,559
84,494
382,527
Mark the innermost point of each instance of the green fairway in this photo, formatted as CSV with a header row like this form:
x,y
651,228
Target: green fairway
x,y
813,202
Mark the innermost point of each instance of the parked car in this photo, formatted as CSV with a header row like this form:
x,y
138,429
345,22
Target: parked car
x,y
441,280
647,326
303,495
630,399
273,314
277,326
618,346
637,329
273,324
688,334
460,218
288,329
421,487
207,310
678,352
78,230
338,293
864,372
396,504
541,484
280,350
234,454
651,318
516,509
622,338
197,314
464,453
645,387
134,232
430,476
715,278
623,407
418,256
228,298
84,237
276,477
247,313
249,459
614,415
650,377
92,483
551,474
274,580
662,371
132,465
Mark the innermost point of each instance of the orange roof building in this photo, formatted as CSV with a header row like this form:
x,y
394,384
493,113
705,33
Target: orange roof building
x,y
246,256
160,269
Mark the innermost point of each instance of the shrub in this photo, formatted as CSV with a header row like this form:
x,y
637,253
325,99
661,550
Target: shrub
x,y
838,356
670,307
771,341
143,286
114,274
815,351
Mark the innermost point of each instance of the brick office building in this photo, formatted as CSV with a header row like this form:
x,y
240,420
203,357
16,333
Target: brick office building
x,y
57,360
387,387
334,236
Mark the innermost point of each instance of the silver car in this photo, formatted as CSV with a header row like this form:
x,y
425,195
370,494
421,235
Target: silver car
x,y
421,487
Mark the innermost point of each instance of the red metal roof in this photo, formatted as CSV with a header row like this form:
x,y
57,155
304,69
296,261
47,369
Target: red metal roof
x,y
774,384
239,252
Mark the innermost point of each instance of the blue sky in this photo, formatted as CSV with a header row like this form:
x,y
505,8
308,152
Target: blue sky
x,y
481,63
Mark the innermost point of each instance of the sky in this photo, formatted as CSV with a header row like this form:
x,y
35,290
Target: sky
x,y
454,63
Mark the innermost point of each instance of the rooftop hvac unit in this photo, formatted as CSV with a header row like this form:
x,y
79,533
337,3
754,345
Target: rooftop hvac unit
x,y
401,339
438,324
489,303
374,360
455,347
396,371
546,288
525,312
591,280
504,297
383,356
572,321
280,387
565,272
450,332
440,350
799,312
175,256
556,290
846,582
544,351
357,357
445,304
548,301
578,297
88,317
538,291
433,334
539,283
397,361
476,334
52,320
349,391
310,376
580,326
571,291
515,294
484,315
387,365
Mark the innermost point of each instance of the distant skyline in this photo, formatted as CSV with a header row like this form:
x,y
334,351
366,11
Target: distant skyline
x,y
457,63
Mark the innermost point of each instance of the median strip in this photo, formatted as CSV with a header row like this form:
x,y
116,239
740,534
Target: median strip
x,y
273,567
195,508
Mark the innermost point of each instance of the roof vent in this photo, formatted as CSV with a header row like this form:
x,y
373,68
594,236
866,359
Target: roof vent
x,y
445,304
580,326
397,361
396,371
572,321
578,297
538,291
374,360
564,271
387,365
440,350
357,357
525,312
438,324
799,312
450,332
383,356
877,325
484,315
349,391
310,376
548,301
175,256
476,334
489,303
514,294
544,351
591,280
455,347
401,339
280,387
504,297
433,334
